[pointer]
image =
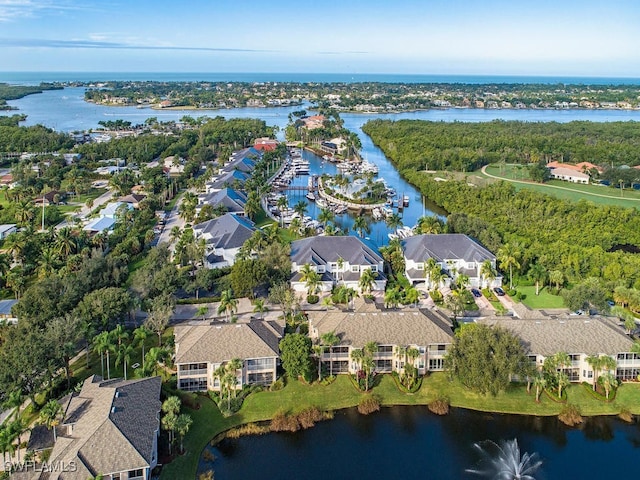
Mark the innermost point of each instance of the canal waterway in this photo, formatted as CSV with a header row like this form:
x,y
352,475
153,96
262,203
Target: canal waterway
x,y
411,443
66,110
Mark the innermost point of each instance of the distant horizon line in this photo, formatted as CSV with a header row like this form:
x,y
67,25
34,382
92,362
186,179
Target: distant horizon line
x,y
156,72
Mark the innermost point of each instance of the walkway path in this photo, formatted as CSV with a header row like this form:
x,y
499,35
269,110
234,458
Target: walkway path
x,y
573,190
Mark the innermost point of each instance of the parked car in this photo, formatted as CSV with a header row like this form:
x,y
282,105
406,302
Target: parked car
x,y
476,293
499,291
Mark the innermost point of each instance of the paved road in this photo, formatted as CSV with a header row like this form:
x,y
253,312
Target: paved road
x,y
85,211
172,219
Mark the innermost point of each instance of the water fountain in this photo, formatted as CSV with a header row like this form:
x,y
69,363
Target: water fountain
x,y
504,462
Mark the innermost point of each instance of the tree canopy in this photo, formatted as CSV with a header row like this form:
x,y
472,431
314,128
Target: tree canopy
x,y
485,358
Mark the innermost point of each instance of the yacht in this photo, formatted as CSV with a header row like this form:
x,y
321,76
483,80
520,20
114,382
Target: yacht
x,y
311,197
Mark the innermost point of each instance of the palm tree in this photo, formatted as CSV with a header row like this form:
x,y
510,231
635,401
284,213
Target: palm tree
x,y
557,277
110,346
626,316
392,297
228,304
330,339
140,335
282,204
318,350
357,355
169,421
313,282
182,425
461,281
538,274
124,356
361,226
65,242
17,428
509,255
608,381
394,221
367,280
47,261
595,362
427,224
561,361
100,345
6,441
50,415
487,273
120,334
202,312
411,295
325,216
540,382
300,208
433,272
175,233
260,307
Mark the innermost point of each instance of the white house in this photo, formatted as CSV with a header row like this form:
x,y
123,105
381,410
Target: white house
x,y
338,260
455,253
569,175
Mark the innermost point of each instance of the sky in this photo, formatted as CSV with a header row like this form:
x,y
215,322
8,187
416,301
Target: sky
x,y
465,37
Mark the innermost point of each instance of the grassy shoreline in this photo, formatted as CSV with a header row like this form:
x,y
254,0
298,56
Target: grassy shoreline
x,y
262,406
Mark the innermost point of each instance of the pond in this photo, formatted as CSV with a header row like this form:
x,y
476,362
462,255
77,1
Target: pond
x,y
412,443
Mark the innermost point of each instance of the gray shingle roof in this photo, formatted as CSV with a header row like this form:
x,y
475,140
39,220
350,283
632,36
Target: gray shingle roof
x,y
114,423
226,231
229,178
547,336
357,328
232,200
446,246
323,250
220,343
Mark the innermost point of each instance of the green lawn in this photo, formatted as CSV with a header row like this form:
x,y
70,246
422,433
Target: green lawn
x,y
543,300
568,191
208,422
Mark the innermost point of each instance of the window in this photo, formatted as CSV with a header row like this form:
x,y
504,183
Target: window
x,y
138,473
436,363
374,268
194,384
419,266
333,267
385,349
321,268
355,268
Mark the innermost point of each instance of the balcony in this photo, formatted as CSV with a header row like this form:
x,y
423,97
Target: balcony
x,y
190,373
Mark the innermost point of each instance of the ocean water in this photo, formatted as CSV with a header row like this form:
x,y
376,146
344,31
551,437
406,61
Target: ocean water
x,y
34,78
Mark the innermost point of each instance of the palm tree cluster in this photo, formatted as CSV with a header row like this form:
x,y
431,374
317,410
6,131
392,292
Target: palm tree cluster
x,y
11,432
174,422
410,372
606,365
121,343
227,376
363,357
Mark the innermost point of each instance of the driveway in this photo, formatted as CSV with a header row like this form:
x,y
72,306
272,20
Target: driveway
x,y
173,219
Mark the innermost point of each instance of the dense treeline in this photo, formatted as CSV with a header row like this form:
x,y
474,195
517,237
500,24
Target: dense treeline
x,y
32,139
421,145
573,238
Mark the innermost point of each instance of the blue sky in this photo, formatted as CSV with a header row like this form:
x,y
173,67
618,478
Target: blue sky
x,y
542,37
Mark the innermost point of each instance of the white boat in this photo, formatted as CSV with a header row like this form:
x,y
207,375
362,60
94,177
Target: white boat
x,y
311,196
340,209
392,236
321,202
405,200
